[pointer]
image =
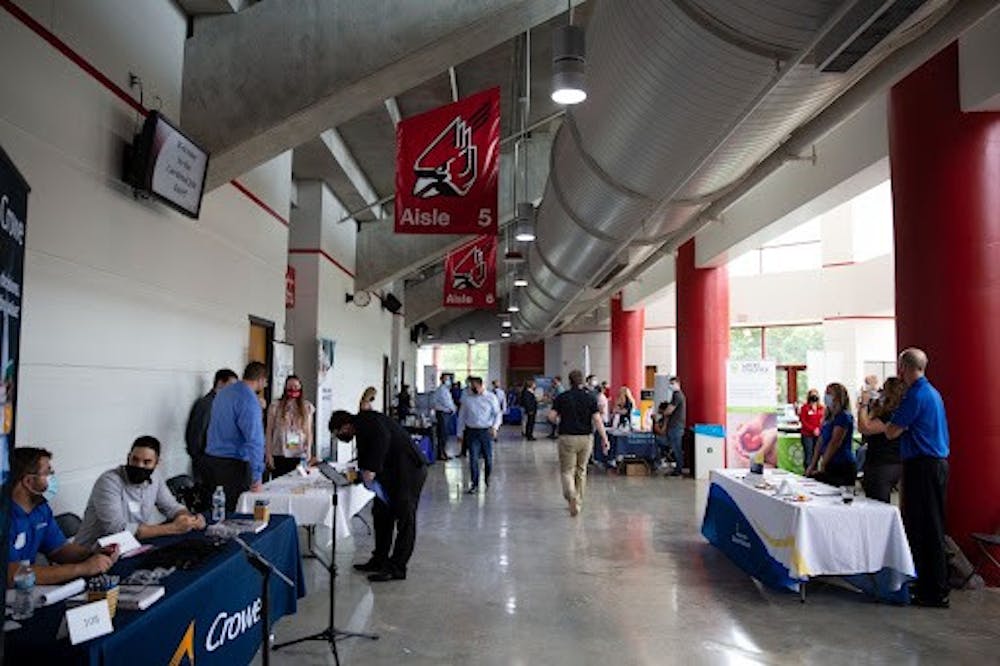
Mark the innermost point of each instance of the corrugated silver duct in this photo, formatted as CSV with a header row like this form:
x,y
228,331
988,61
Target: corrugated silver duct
x,y
685,96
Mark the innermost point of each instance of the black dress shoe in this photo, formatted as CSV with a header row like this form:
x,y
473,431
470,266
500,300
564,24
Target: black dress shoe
x,y
944,602
386,575
472,490
370,565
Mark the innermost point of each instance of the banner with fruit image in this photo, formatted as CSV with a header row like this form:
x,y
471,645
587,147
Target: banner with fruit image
x,y
751,416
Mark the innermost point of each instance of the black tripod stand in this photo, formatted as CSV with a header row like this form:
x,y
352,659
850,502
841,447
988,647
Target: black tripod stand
x,y
331,634
260,563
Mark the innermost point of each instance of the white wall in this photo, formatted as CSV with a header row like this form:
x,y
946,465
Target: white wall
x,y
363,335
129,307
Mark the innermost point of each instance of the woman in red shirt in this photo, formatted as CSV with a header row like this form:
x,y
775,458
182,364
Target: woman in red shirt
x,y
811,419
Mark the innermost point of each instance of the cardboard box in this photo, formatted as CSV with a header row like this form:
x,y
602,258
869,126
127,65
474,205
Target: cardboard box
x,y
636,468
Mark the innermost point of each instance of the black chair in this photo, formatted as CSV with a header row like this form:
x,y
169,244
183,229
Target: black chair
x,y
180,485
69,523
986,543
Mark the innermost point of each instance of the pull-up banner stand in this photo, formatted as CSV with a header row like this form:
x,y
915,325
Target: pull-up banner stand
x,y
13,219
446,168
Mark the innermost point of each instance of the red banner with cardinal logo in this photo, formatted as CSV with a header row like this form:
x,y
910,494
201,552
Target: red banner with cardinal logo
x,y
446,168
470,275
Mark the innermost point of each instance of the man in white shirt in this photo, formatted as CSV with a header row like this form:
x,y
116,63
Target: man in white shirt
x,y
127,498
443,404
501,395
479,420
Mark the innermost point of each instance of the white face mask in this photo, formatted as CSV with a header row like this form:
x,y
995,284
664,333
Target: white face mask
x,y
828,401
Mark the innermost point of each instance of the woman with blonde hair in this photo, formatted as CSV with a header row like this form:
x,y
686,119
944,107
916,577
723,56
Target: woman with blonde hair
x,y
833,460
624,407
289,433
883,465
367,398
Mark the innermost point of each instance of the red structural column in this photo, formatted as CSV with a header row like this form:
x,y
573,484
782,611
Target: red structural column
x,y
702,337
946,210
627,332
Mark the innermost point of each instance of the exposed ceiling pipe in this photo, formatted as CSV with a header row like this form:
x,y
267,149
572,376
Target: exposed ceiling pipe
x,y
961,16
585,264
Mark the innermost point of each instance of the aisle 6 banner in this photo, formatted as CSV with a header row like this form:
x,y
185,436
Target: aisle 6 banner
x,y
470,275
446,168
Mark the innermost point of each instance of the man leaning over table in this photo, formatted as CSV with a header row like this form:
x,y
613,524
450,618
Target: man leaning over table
x,y
921,426
33,528
128,496
234,455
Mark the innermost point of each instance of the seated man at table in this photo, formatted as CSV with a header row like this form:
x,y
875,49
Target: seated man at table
x,y
33,528
126,497
386,455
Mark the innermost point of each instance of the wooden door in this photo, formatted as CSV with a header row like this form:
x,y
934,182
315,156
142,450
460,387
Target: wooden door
x,y
650,377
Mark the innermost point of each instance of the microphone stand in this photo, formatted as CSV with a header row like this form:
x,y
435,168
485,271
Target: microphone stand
x,y
330,634
261,564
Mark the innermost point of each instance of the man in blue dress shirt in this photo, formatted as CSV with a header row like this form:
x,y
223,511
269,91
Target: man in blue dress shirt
x,y
234,455
479,420
922,429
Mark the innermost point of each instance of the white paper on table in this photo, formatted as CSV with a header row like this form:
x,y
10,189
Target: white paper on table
x,y
125,541
46,595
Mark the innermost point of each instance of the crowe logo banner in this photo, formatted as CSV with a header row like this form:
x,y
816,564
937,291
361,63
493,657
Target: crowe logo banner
x,y
446,168
470,275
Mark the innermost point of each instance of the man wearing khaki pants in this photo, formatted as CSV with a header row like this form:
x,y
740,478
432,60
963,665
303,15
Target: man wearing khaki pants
x,y
576,413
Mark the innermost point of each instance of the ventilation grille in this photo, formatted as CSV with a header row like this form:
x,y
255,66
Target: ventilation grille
x,y
863,32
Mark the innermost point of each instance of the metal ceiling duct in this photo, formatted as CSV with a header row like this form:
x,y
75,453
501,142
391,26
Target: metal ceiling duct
x,y
685,97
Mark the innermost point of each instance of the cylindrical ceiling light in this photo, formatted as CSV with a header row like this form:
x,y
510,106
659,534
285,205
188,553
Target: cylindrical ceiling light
x,y
505,334
472,338
524,227
506,323
520,280
569,64
512,305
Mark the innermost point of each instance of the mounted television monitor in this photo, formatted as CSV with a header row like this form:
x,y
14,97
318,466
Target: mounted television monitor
x,y
162,161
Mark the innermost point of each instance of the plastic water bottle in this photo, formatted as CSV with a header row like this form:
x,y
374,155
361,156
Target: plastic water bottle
x,y
24,586
218,505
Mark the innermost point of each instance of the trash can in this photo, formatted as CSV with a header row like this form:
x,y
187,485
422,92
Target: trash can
x,y
709,449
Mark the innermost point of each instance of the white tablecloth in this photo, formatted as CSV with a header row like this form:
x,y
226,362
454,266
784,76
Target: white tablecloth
x,y
821,536
307,499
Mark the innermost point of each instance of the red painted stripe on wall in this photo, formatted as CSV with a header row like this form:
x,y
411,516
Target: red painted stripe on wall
x,y
838,264
860,317
81,62
321,252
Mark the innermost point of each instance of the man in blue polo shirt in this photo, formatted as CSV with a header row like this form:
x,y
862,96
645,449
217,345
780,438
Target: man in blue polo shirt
x,y
33,528
922,429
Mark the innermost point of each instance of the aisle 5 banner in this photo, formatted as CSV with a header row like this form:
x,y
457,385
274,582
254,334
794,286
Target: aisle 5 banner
x,y
470,275
446,168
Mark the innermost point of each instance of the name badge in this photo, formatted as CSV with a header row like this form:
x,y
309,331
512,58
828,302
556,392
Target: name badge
x,y
88,621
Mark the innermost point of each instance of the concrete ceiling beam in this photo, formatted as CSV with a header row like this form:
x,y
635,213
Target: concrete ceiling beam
x,y
424,299
335,143
277,74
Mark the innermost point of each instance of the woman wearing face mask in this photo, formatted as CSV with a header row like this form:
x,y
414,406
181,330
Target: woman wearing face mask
x,y
833,460
811,420
289,433
883,466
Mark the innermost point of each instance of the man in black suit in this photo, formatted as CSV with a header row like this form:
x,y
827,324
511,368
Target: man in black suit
x,y
529,403
396,470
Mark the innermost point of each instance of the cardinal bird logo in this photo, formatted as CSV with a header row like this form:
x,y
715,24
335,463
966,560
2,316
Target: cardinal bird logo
x,y
449,165
469,270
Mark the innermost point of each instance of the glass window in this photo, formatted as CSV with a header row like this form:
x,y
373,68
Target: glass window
x,y
788,345
744,343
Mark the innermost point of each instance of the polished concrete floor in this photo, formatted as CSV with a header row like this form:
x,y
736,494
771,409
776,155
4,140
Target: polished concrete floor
x,y
508,577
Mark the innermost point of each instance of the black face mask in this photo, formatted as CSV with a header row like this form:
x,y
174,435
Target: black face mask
x,y
137,475
344,437
814,398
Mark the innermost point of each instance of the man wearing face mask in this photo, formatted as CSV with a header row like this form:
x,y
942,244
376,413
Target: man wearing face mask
x,y
33,528
387,455
127,498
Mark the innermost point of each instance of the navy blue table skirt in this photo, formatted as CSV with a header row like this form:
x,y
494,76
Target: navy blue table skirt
x,y
210,615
